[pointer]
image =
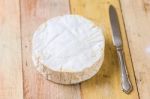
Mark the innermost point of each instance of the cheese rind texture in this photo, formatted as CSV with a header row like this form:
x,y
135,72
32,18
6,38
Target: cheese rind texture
x,y
69,43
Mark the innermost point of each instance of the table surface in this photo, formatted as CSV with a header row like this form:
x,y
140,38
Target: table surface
x,y
20,18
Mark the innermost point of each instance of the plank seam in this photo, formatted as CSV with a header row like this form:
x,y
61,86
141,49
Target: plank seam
x,y
21,46
70,7
129,48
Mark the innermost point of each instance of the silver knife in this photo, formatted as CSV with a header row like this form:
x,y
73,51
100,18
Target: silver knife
x,y
117,41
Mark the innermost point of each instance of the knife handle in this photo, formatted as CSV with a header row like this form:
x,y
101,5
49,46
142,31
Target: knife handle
x,y
125,81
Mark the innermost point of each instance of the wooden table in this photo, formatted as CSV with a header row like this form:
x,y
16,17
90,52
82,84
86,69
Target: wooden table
x,y
20,18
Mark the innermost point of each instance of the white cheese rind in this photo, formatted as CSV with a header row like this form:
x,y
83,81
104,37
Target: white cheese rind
x,y
68,43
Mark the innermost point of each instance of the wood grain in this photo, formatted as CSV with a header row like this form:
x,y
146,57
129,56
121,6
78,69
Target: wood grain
x,y
10,51
106,84
33,13
136,14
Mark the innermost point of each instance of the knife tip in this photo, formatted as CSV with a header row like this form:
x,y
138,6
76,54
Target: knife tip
x,y
111,7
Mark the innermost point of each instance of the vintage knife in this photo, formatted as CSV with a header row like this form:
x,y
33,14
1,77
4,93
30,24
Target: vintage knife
x,y
117,41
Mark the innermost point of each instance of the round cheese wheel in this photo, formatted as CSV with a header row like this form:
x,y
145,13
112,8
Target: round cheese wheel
x,y
68,49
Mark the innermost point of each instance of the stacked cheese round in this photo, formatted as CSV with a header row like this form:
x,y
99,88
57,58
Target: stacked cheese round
x,y
68,49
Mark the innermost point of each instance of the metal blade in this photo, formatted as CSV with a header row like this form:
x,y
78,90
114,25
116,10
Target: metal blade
x,y
117,41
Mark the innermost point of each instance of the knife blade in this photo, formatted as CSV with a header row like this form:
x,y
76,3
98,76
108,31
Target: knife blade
x,y
117,41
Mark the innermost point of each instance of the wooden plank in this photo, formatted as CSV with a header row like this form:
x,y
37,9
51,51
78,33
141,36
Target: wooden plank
x,y
10,51
33,13
136,14
106,84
